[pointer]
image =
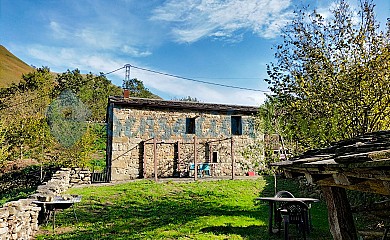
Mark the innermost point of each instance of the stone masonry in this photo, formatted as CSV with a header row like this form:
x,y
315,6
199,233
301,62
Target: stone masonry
x,y
133,123
19,219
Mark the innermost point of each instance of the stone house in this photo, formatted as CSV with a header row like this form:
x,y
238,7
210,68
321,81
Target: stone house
x,y
149,136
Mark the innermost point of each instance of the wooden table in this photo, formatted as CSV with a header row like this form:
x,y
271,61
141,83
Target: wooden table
x,y
273,200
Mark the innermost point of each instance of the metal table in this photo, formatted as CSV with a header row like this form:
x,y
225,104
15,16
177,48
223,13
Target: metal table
x,y
273,200
57,203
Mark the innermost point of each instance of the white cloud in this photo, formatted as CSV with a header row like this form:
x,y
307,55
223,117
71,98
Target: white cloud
x,y
57,30
61,59
135,52
97,37
192,20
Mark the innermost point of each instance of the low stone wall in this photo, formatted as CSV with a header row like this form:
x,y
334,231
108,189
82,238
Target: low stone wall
x,y
62,180
79,176
19,219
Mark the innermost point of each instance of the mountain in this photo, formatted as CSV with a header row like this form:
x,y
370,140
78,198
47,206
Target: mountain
x,y
11,68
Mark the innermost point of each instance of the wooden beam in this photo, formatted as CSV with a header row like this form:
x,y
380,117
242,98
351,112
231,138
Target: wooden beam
x,y
340,217
178,156
314,178
232,155
195,160
341,179
357,184
155,159
143,160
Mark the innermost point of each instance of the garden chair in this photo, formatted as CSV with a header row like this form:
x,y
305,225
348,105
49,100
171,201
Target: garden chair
x,y
191,169
295,213
204,169
279,206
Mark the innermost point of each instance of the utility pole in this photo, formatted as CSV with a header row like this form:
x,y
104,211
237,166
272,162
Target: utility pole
x,y
127,76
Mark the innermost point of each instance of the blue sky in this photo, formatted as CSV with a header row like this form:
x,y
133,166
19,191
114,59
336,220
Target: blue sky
x,y
223,41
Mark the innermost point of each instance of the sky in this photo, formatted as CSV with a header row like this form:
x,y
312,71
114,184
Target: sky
x,y
228,42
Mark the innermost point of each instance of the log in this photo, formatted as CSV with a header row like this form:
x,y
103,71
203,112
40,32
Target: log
x,y
340,217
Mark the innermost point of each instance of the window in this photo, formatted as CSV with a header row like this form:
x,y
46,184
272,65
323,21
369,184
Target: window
x,y
190,125
215,157
236,125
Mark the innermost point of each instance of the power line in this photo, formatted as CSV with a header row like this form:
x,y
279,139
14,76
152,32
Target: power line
x,y
197,80
104,74
225,77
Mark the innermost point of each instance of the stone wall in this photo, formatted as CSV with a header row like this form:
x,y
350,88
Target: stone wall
x,y
133,149
62,180
19,219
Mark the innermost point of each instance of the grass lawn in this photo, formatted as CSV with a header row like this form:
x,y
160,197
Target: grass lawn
x,y
144,209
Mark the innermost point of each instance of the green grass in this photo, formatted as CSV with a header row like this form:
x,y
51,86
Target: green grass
x,y
144,209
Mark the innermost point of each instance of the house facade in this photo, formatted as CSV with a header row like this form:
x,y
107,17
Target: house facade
x,y
157,138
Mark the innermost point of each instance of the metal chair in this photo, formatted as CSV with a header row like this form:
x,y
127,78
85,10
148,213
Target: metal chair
x,y
295,213
279,206
204,169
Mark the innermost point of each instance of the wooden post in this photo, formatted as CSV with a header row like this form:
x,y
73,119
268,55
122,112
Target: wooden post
x,y
178,156
340,217
210,153
195,161
232,155
155,159
144,160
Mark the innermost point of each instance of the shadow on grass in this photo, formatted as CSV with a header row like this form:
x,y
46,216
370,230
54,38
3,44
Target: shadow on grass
x,y
188,213
253,232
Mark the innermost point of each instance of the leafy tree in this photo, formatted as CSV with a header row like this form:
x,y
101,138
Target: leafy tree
x,y
186,99
95,94
137,88
331,78
23,114
92,90
3,145
67,117
70,80
80,153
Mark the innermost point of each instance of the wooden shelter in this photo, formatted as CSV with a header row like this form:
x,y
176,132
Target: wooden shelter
x,y
361,163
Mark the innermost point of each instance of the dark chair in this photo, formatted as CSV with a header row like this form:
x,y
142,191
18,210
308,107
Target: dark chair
x,y
295,213
285,194
279,206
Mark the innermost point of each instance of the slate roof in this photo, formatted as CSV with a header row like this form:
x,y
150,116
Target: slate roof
x,y
361,163
371,149
164,104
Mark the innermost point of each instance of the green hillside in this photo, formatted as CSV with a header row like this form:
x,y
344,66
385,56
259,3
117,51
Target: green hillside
x,y
11,68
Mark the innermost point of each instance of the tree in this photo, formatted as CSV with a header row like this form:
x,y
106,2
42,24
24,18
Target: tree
x,y
331,78
95,94
186,99
92,90
23,114
70,80
3,145
137,88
